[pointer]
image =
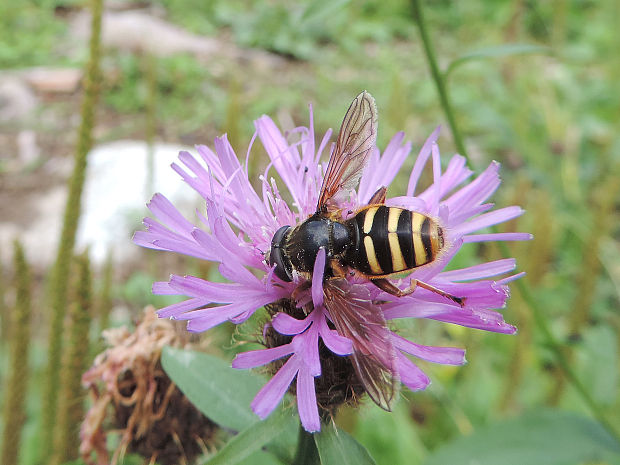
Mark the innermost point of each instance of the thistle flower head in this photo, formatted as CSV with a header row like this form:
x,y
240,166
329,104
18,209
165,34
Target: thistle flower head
x,y
301,341
131,391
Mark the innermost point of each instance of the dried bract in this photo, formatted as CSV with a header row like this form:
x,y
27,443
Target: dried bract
x,y
132,395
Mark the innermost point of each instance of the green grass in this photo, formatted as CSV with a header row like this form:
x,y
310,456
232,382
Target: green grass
x,y
29,33
550,118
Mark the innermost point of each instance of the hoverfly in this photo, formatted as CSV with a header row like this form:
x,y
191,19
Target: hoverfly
x,y
376,242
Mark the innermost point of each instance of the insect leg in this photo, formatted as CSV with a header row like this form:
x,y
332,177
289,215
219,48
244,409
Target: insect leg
x,y
428,287
387,286
300,289
338,270
378,197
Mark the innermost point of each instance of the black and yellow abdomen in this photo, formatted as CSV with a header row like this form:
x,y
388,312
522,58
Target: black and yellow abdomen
x,y
392,240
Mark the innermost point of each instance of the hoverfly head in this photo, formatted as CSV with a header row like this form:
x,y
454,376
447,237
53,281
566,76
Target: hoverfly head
x,y
277,256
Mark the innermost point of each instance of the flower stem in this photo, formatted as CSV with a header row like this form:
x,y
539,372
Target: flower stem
x,y
61,272
539,318
75,361
602,207
437,76
307,453
5,315
104,301
14,413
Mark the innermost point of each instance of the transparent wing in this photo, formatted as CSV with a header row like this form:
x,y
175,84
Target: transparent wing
x,y
357,138
374,357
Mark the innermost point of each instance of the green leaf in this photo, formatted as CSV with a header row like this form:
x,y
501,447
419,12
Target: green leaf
x,y
547,437
284,446
261,457
497,52
337,447
597,362
321,9
222,393
390,437
252,439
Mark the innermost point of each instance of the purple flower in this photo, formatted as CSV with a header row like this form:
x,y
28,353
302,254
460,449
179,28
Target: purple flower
x,y
236,233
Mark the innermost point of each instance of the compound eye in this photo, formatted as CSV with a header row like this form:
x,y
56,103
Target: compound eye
x,y
283,269
277,258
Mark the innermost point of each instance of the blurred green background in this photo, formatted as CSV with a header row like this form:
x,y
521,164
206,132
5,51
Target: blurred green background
x,y
533,84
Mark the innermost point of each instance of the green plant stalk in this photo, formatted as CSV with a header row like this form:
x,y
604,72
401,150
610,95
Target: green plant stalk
x,y
603,213
451,408
558,31
75,362
589,272
535,257
306,453
437,76
5,317
553,343
539,318
234,112
518,358
14,415
556,348
104,303
61,268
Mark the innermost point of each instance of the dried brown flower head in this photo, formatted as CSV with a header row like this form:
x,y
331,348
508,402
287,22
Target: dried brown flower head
x,y
133,395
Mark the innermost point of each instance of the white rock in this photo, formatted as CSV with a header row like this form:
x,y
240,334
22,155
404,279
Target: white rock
x,y
53,80
40,236
28,149
17,101
140,32
116,193
113,204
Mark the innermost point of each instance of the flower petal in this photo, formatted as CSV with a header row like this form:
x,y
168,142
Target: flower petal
x,y
382,169
164,210
286,324
489,219
255,358
484,270
202,320
443,355
410,375
485,320
271,393
306,401
423,156
498,237
476,191
181,307
307,347
338,344
317,278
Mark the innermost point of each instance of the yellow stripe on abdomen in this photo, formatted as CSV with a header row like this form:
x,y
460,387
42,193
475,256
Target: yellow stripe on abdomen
x,y
369,246
418,246
369,216
393,216
398,261
436,248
